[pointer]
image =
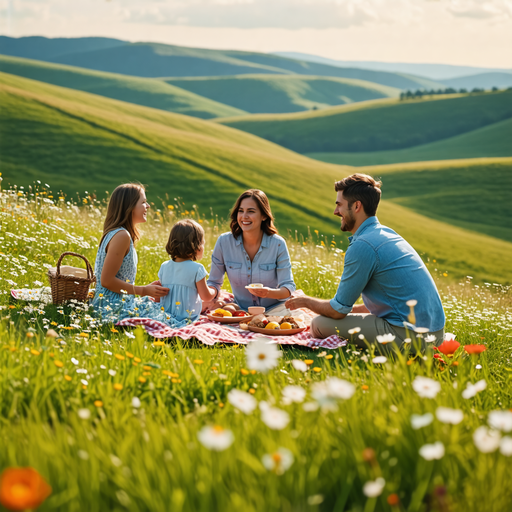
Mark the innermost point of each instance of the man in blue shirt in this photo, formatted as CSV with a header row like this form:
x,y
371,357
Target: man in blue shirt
x,y
400,297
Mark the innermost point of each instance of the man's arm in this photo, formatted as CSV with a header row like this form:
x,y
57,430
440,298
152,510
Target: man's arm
x,y
360,263
318,306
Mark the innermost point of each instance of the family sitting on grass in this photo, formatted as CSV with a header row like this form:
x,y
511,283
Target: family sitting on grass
x,y
379,265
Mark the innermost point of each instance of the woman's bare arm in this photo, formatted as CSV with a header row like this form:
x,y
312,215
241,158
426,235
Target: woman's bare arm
x,y
117,249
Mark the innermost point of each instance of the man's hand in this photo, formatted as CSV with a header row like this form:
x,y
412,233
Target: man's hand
x,y
296,303
318,306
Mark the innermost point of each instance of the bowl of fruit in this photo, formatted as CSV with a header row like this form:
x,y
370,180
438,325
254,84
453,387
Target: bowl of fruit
x,y
275,325
229,314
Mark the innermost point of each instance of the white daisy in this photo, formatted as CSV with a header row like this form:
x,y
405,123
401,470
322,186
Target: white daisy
x,y
274,418
299,365
506,446
500,420
379,360
372,489
385,339
261,355
486,440
242,401
447,415
472,389
432,451
279,461
215,438
84,414
448,336
419,421
293,394
425,387
136,402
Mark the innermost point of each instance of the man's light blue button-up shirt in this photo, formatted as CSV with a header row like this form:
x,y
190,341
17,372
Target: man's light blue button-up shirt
x,y
271,266
382,267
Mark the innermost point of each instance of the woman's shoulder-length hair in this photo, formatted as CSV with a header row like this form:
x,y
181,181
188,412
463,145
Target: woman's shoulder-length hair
x,y
267,225
120,207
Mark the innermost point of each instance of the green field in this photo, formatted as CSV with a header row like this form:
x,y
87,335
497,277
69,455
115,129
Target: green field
x,y
141,91
81,142
113,421
283,93
380,124
491,141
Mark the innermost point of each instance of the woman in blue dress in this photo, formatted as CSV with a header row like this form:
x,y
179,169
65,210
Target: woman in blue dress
x,y
253,252
117,297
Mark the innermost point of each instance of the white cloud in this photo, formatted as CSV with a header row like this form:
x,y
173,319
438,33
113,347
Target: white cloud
x,y
481,9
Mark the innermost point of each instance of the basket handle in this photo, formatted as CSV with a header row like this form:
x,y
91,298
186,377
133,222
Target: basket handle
x,y
87,264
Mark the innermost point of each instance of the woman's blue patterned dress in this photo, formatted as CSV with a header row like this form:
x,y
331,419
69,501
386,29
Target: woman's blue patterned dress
x,y
111,307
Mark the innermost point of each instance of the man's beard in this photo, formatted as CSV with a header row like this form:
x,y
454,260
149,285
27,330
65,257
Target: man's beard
x,y
348,222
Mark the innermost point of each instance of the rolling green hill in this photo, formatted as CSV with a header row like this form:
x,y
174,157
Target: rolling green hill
x,y
160,60
492,141
77,141
142,91
379,124
473,194
283,93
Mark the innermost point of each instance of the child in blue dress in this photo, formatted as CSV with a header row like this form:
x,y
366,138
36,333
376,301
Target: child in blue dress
x,y
183,275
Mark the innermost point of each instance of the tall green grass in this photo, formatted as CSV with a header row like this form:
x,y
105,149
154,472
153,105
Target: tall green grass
x,y
126,455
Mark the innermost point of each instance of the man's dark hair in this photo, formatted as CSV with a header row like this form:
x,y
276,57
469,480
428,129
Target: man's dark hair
x,y
361,187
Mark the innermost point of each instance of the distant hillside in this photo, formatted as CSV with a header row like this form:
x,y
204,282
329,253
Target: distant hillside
x,y
481,80
380,124
439,72
78,141
283,93
494,140
142,91
454,192
43,48
152,60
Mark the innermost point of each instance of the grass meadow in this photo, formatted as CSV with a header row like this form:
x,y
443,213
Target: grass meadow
x,y
379,125
491,141
47,130
114,421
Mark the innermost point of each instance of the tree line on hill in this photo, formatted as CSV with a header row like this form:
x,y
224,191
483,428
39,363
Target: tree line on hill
x,y
418,94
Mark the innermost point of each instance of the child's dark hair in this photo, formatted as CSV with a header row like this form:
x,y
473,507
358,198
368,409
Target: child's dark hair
x,y
185,239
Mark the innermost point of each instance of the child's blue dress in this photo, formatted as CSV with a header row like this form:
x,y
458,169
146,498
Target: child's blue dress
x,y
183,303
110,306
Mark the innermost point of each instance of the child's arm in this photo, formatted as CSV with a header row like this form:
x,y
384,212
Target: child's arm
x,y
206,292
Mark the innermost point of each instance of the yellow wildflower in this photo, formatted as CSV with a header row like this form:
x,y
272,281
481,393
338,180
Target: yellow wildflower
x,y
118,387
58,364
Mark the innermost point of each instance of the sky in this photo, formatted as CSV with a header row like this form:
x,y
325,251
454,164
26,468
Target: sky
x,y
463,32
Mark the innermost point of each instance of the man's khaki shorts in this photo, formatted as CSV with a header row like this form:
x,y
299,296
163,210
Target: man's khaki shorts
x,y
370,326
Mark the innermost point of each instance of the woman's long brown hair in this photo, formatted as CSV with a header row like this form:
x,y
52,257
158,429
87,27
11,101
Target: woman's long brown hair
x,y
120,207
267,226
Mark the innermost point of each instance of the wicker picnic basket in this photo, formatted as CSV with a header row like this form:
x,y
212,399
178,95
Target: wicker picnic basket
x,y
70,282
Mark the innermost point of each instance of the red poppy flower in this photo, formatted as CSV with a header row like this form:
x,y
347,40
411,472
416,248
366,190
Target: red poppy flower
x,y
475,349
22,489
439,358
448,347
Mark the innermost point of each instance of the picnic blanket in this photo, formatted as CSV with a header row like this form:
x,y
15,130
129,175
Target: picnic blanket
x,y
210,333
205,330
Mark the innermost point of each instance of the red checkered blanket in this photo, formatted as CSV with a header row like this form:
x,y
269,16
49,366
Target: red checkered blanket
x,y
209,333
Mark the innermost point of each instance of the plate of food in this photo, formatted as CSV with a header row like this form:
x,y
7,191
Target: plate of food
x,y
275,325
229,314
